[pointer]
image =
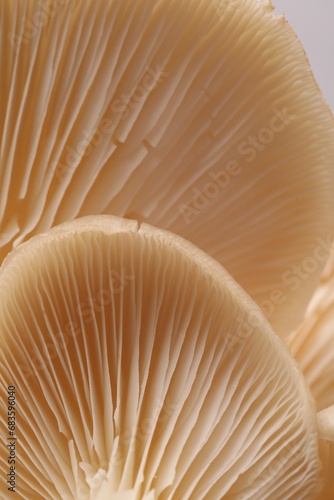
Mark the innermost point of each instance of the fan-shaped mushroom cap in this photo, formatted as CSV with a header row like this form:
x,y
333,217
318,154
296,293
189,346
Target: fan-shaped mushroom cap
x,y
312,344
144,371
197,116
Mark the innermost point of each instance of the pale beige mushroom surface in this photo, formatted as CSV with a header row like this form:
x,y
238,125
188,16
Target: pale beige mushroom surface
x,y
197,116
117,337
312,344
203,118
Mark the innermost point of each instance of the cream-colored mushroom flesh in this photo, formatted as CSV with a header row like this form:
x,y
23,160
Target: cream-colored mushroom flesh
x,y
144,371
312,344
327,457
325,419
198,116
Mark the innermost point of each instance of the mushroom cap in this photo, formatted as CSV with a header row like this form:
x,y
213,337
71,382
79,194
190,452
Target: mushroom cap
x,y
198,116
312,344
143,370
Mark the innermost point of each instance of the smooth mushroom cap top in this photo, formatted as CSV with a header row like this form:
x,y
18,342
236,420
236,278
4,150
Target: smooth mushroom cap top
x,y
143,370
197,116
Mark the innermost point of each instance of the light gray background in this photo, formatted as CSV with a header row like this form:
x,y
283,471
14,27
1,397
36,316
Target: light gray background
x,y
313,22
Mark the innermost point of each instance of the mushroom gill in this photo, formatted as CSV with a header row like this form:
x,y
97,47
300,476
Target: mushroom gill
x,y
312,344
325,420
197,116
143,371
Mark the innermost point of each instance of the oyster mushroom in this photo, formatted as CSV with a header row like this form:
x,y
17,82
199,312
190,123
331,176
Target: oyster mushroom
x,y
312,344
197,116
117,338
